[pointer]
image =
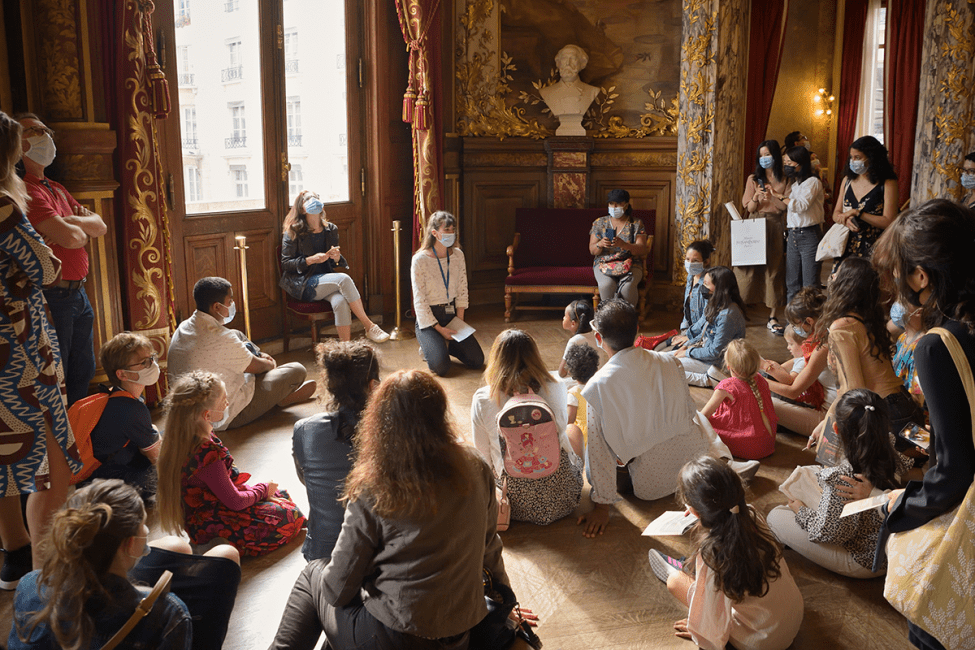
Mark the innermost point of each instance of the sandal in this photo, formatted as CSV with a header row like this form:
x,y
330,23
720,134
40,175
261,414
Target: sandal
x,y
776,328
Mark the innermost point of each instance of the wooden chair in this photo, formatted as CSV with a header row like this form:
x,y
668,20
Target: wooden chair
x,y
316,313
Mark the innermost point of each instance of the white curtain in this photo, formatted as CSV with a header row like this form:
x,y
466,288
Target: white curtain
x,y
870,103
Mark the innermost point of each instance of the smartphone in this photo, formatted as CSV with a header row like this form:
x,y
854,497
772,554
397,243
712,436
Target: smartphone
x,y
916,435
610,234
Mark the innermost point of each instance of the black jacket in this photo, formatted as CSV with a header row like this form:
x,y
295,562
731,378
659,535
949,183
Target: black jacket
x,y
294,271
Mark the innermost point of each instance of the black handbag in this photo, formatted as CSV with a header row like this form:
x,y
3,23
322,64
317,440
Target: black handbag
x,y
496,631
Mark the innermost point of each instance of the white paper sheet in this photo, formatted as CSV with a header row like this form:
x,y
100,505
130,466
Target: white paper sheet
x,y
869,503
672,522
462,330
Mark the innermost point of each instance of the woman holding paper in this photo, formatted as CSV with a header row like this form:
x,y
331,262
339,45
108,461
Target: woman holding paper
x,y
761,199
439,276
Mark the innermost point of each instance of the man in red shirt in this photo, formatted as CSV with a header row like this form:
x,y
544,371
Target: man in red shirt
x,y
66,226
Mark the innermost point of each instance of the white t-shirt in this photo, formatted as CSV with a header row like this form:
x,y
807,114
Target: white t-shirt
x,y
589,338
201,343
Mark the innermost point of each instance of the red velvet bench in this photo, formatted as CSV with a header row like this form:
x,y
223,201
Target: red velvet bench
x,y
550,255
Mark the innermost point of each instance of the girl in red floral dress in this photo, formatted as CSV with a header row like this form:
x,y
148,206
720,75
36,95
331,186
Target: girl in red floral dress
x,y
200,489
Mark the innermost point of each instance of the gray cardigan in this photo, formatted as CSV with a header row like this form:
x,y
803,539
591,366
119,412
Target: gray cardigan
x,y
421,577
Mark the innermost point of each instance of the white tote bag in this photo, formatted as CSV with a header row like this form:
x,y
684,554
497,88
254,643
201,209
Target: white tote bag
x,y
833,244
748,242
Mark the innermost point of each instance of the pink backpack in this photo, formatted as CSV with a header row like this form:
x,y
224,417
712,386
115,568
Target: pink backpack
x,y
527,425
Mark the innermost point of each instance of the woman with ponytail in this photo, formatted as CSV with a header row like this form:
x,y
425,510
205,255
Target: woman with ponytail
x,y
81,596
742,590
201,491
741,410
846,545
322,444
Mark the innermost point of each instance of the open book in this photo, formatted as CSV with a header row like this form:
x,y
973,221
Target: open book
x,y
672,522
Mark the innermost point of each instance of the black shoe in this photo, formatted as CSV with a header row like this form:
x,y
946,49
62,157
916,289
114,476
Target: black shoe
x,y
16,565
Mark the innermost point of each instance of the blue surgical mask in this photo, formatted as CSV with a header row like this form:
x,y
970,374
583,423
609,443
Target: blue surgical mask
x,y
448,239
617,213
968,180
693,268
231,312
801,333
858,166
766,161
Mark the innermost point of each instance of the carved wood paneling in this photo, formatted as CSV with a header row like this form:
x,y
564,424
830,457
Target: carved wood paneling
x,y
103,277
649,190
262,278
207,255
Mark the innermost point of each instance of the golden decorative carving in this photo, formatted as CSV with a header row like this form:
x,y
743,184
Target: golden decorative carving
x,y
484,105
87,167
57,39
634,159
505,160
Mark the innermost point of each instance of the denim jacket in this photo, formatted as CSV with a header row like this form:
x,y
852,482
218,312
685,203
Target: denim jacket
x,y
295,272
694,303
728,325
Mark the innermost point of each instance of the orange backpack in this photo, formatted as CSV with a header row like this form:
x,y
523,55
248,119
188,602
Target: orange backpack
x,y
83,417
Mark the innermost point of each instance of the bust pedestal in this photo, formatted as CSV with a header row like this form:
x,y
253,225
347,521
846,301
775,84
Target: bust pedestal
x,y
568,170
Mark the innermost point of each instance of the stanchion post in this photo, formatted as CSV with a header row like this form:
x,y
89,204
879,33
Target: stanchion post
x,y
399,333
241,249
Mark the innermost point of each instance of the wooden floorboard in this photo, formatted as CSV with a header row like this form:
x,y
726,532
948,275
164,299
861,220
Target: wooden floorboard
x,y
588,593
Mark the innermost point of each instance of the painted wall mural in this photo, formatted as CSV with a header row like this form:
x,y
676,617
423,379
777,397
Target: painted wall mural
x,y
505,55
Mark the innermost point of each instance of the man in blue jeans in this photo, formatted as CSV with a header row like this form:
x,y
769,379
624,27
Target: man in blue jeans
x,y
66,226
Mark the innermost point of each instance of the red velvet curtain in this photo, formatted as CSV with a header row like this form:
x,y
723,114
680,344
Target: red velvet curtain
x,y
139,96
420,22
854,25
904,40
768,20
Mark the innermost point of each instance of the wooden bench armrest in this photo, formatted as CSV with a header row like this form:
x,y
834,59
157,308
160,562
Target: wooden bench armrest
x,y
511,253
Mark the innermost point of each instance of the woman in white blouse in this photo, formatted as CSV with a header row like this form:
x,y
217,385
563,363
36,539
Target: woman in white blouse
x,y
439,276
804,221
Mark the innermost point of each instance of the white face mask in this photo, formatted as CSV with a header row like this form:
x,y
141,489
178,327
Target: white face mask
x,y
146,549
147,376
231,312
42,149
447,239
616,213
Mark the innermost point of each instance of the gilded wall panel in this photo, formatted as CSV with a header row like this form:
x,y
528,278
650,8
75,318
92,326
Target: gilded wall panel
x,y
56,33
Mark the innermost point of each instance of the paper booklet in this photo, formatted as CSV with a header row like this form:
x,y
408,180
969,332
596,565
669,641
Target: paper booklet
x,y
672,522
869,503
462,329
733,211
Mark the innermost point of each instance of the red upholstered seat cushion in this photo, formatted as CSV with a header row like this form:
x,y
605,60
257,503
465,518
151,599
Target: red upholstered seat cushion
x,y
557,275
301,307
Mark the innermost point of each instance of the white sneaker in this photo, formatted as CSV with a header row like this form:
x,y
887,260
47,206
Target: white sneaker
x,y
746,471
376,334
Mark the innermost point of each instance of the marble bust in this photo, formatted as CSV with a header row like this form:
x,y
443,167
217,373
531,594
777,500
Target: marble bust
x,y
569,98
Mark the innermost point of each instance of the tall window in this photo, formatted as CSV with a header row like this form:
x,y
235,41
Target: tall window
x,y
231,5
182,13
239,175
236,69
194,189
185,75
238,130
294,122
295,183
189,128
870,111
291,51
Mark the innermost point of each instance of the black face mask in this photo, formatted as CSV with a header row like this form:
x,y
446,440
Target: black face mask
x,y
705,292
789,170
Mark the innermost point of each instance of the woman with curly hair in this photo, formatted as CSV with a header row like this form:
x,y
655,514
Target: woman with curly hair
x,y
201,491
322,444
420,524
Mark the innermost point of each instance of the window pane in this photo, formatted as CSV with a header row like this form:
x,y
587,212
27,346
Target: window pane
x,y
218,64
315,82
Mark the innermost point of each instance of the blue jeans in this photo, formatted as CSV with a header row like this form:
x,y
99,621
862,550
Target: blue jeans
x,y
74,322
801,267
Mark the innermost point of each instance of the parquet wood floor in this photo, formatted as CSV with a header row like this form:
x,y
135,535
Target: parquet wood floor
x,y
588,593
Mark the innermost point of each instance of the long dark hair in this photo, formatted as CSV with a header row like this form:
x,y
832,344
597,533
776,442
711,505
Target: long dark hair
x,y
936,236
736,546
776,153
800,156
856,290
863,423
347,368
879,169
725,292
582,313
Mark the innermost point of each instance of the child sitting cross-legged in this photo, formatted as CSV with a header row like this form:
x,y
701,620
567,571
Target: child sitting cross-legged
x,y
742,591
741,409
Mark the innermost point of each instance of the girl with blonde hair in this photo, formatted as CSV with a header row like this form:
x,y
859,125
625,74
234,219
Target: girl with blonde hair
x,y
310,254
438,273
420,525
741,410
201,491
515,366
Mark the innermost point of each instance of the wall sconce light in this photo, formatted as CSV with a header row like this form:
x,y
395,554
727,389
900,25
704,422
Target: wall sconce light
x,y
824,103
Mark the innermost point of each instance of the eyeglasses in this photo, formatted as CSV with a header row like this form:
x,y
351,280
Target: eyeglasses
x,y
37,130
145,363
